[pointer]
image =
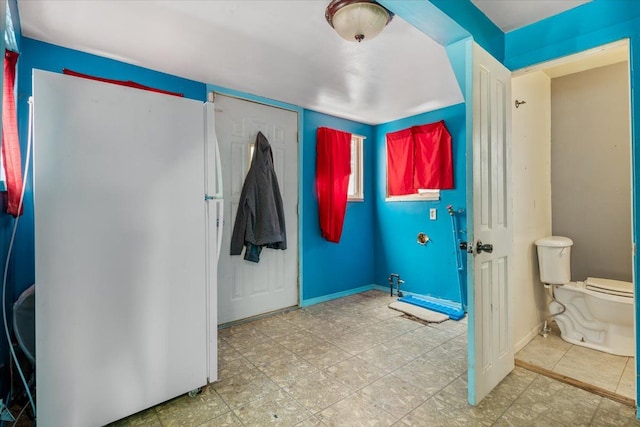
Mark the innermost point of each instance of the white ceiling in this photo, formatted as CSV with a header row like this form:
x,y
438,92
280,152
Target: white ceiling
x,y
278,49
511,14
283,50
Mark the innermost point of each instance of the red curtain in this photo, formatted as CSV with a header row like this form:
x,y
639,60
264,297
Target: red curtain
x,y
10,141
333,167
400,162
433,158
419,157
127,83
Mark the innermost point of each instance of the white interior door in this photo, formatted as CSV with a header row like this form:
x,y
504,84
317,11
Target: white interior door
x,y
245,288
119,243
491,353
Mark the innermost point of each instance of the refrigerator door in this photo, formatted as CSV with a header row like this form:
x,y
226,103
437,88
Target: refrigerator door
x,y
213,228
119,237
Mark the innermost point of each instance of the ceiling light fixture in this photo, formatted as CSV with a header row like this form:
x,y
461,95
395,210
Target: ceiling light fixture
x,y
356,20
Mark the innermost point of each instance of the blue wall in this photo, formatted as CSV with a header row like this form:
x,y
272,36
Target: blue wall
x,y
330,268
430,269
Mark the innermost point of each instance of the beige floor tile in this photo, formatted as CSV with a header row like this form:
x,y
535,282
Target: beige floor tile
x,y
192,411
148,418
593,367
352,342
264,351
276,408
355,373
391,355
299,341
225,420
402,325
324,355
610,413
355,411
276,326
554,400
244,387
230,362
627,385
514,384
544,352
326,330
431,336
354,361
317,391
427,374
301,319
310,422
455,396
244,338
433,413
394,396
286,370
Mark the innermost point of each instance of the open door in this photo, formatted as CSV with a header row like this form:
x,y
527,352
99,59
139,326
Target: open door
x,y
491,354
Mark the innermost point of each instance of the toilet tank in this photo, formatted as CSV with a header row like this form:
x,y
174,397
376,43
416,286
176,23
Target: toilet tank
x,y
554,259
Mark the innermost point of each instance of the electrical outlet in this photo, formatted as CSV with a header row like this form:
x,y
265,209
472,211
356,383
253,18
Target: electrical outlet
x,y
432,214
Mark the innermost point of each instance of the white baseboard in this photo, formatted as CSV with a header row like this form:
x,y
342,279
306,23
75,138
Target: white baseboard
x,y
527,338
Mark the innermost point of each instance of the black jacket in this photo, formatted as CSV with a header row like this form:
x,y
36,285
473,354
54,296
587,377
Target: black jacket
x,y
260,217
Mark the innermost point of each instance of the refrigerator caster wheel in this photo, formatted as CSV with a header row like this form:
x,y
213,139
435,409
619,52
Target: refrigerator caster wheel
x,y
194,393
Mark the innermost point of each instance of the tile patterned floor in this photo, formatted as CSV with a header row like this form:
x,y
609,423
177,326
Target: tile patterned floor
x,y
354,362
610,372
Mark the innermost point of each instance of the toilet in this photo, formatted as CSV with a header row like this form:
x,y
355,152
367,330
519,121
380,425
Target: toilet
x,y
596,313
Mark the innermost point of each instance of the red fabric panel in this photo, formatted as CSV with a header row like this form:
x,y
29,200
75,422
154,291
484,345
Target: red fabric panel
x,y
127,83
333,167
433,157
10,140
400,163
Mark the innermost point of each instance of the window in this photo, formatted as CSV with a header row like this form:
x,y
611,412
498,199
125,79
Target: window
x,y
355,192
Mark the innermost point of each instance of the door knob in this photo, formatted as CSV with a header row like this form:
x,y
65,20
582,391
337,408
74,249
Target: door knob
x,y
487,247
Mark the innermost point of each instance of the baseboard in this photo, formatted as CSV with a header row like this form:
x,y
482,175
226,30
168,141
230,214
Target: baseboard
x,y
527,338
341,294
577,383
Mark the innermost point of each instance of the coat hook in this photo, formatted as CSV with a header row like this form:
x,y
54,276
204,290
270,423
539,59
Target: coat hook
x,y
519,103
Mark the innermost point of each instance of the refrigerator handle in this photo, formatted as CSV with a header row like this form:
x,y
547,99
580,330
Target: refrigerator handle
x,y
218,193
220,224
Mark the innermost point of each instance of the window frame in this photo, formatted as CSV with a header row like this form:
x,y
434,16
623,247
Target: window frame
x,y
358,164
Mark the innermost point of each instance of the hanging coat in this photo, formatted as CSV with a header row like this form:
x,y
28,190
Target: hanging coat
x,y
260,217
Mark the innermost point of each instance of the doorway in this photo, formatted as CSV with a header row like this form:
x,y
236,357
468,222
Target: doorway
x,y
247,289
562,181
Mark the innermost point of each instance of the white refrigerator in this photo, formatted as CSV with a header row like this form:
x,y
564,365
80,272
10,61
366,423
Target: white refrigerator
x,y
128,205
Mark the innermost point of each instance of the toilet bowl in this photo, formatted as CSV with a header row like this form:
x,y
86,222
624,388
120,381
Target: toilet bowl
x,y
597,313
598,317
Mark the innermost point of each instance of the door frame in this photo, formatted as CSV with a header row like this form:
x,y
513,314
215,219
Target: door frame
x,y
244,96
634,175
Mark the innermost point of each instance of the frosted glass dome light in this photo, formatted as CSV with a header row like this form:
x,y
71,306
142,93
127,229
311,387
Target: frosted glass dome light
x,y
357,20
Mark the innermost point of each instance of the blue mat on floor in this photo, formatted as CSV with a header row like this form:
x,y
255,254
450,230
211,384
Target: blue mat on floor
x,y
452,309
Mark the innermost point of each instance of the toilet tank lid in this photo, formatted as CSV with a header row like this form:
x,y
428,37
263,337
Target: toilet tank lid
x,y
554,242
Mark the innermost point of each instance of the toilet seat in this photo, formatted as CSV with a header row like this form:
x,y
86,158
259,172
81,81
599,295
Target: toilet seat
x,y
610,287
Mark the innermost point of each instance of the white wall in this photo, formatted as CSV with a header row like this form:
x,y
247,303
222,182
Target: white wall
x,y
531,163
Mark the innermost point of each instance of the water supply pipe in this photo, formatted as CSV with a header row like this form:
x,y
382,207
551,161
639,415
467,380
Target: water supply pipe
x,y
457,242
